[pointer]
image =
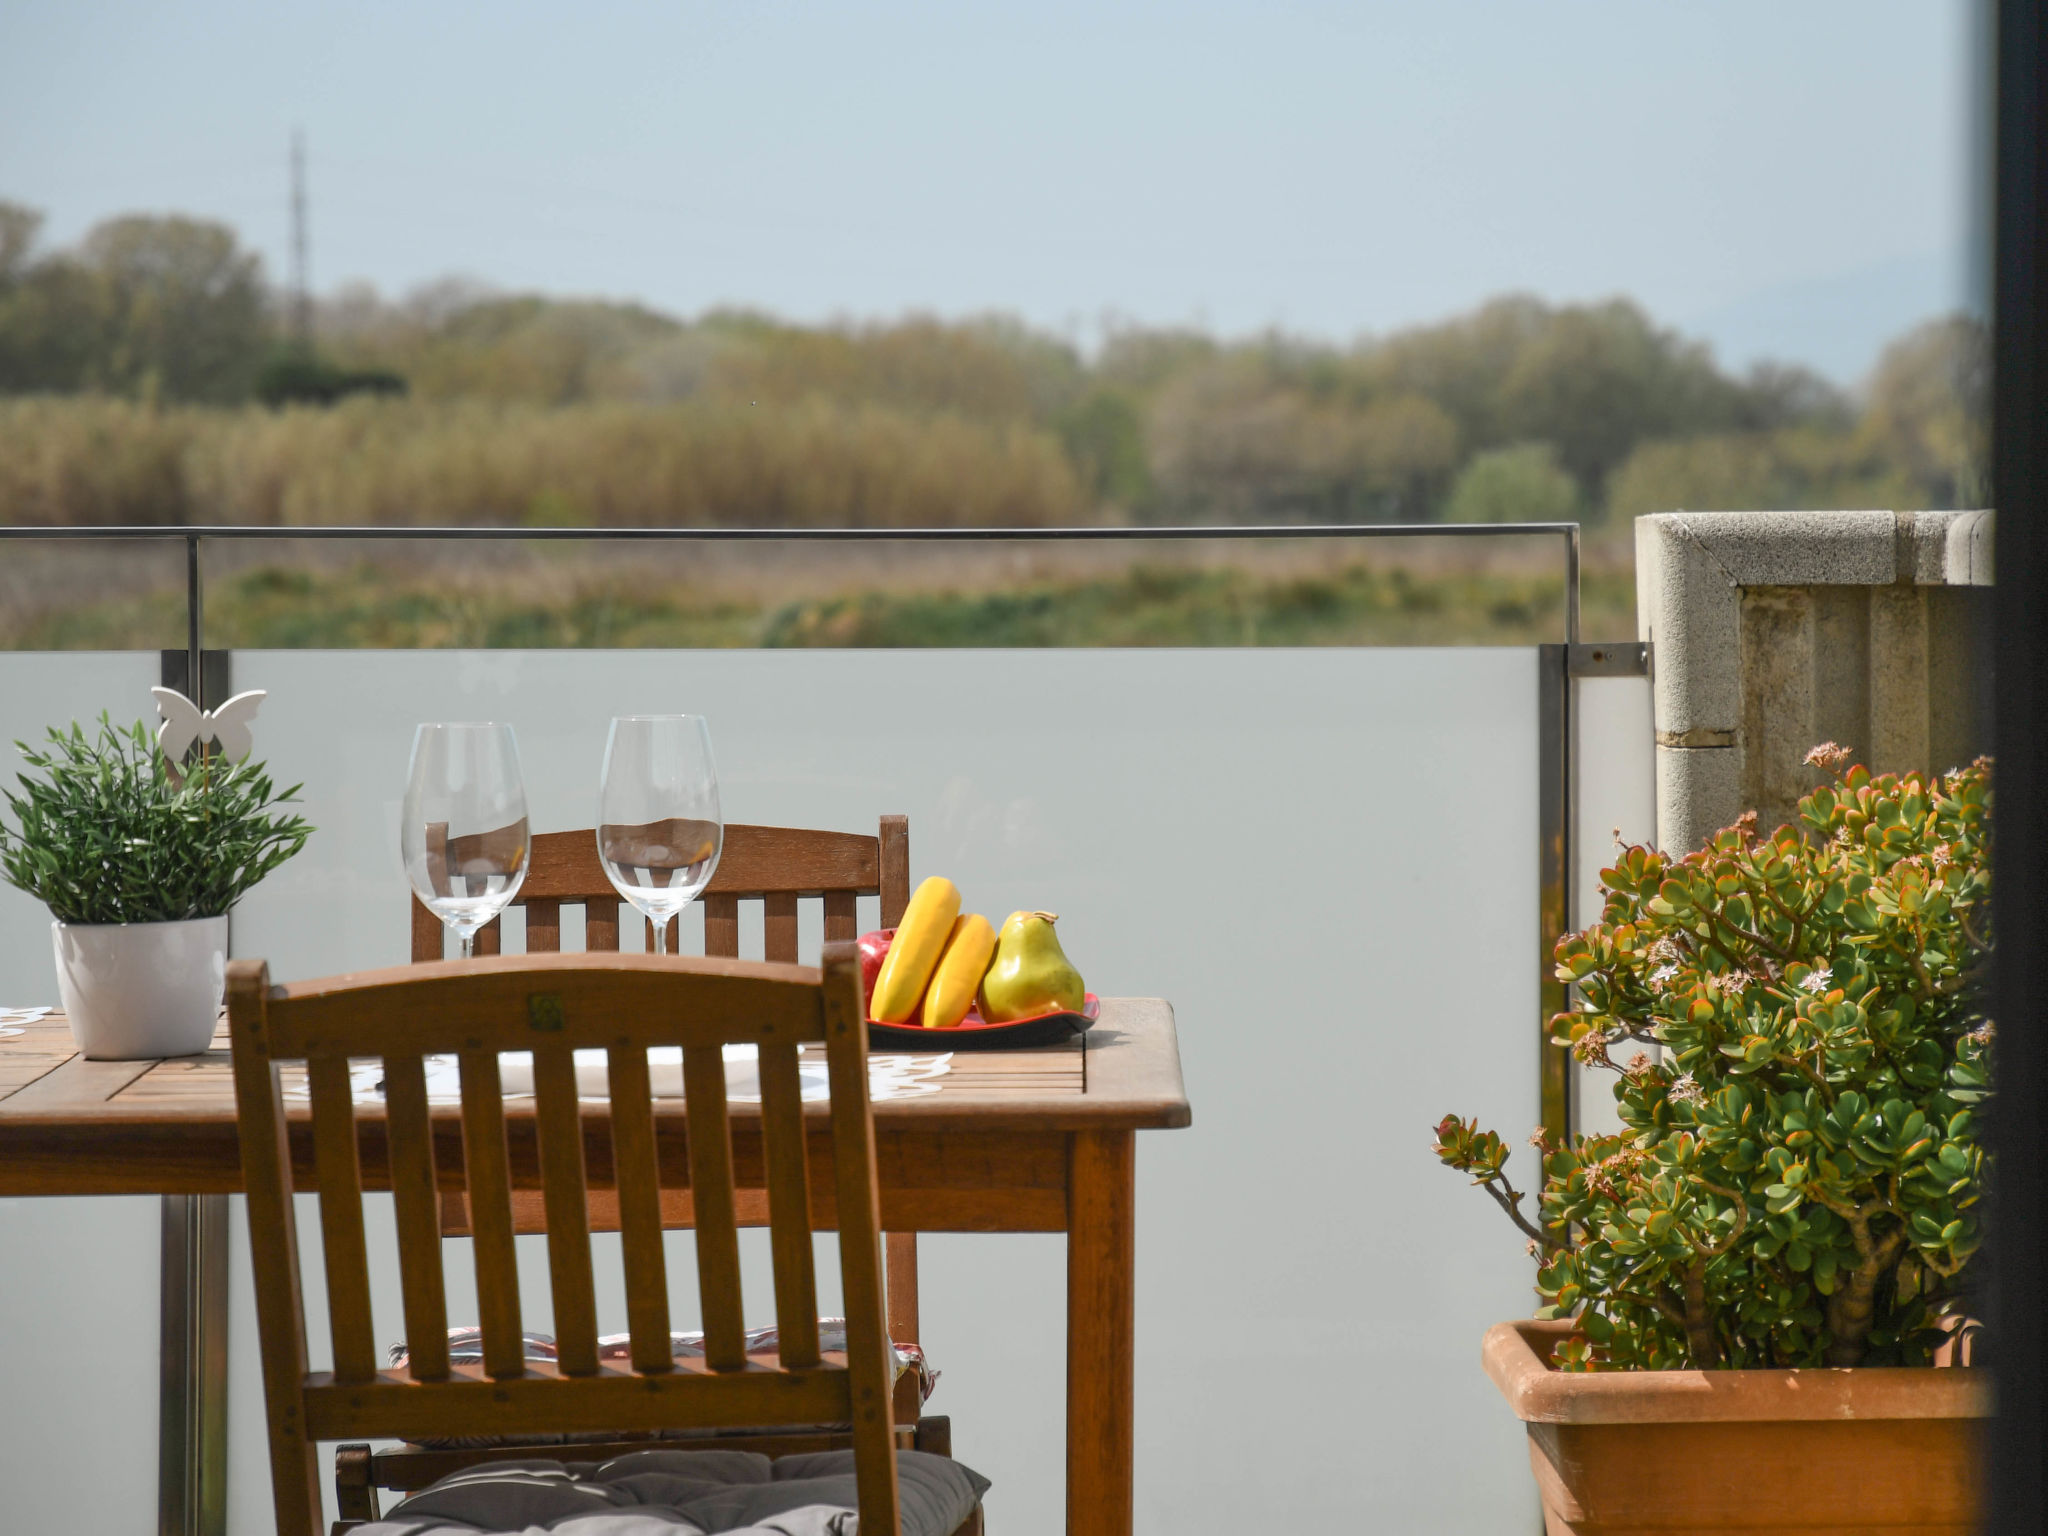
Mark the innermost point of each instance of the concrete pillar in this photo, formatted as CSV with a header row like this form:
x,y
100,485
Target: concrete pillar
x,y
1773,631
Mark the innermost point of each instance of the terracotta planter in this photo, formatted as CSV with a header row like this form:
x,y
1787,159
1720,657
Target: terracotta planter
x,y
1816,1452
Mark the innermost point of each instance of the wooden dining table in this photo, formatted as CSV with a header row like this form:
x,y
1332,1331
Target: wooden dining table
x,y
1037,1140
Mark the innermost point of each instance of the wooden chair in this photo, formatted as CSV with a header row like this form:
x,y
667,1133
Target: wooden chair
x,y
776,866
552,1005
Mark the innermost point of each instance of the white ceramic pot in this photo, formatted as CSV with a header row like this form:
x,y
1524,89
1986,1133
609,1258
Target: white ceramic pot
x,y
133,991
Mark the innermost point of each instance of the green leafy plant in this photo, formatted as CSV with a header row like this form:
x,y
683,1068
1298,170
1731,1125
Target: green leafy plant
x,y
109,835
1800,1175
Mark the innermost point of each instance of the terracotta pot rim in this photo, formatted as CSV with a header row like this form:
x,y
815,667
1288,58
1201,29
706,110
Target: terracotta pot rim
x,y
1517,1358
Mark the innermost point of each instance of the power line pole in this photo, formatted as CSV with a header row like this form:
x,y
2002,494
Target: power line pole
x,y
302,297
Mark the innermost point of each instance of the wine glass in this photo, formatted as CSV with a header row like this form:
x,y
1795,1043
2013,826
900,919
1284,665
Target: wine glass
x,y
659,829
463,831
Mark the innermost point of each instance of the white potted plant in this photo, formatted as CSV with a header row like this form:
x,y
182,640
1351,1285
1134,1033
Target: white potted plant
x,y
139,865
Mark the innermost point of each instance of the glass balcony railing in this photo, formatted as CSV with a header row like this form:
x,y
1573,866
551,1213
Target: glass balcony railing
x,y
1329,857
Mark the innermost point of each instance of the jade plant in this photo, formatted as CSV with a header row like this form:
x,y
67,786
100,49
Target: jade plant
x,y
109,835
1800,1174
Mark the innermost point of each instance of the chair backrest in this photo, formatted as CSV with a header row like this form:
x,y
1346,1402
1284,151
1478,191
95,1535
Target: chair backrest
x,y
552,1005
777,866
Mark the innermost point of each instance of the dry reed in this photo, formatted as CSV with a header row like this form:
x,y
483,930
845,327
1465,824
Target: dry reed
x,y
810,463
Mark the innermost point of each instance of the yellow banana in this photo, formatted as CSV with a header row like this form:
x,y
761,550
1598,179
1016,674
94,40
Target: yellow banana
x,y
914,952
961,968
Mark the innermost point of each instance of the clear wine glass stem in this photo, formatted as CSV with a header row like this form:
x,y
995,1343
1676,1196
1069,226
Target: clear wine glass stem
x,y
661,937
468,944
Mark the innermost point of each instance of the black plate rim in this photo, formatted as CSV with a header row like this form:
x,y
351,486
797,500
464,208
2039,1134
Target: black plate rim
x,y
1047,1029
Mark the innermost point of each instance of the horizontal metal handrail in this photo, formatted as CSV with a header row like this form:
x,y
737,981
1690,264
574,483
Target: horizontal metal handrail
x,y
715,532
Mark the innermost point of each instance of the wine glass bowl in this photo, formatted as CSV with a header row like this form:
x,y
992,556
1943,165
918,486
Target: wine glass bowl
x,y
659,827
463,830
667,862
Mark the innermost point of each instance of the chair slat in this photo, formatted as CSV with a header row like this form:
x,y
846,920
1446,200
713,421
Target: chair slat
x,y
489,1175
722,926
273,1250
895,872
458,1007
638,1175
842,917
489,938
543,927
428,933
560,1119
789,1204
601,923
437,859
753,860
858,1204
416,1206
718,1239
340,1177
779,924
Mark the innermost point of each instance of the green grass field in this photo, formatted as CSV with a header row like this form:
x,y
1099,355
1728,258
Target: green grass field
x,y
388,607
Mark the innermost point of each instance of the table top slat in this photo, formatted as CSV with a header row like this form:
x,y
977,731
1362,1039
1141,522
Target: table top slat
x,y
26,1061
76,1084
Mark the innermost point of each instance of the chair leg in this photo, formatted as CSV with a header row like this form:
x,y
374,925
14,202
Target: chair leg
x,y
900,1258
355,1497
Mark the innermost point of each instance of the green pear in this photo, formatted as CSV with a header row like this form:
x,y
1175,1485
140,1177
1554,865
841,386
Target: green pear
x,y
1030,974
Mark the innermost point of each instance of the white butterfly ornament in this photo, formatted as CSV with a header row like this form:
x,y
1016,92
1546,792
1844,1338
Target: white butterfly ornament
x,y
186,725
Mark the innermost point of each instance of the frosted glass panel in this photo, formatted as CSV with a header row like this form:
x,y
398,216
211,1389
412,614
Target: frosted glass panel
x,y
39,689
1325,859
78,1312
1617,798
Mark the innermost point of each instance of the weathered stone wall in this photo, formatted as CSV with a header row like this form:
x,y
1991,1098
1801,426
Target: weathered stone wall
x,y
1772,631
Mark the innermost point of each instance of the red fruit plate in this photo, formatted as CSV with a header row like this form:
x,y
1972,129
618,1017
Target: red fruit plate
x,y
973,1034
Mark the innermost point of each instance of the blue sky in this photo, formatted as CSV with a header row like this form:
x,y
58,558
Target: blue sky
x,y
1786,179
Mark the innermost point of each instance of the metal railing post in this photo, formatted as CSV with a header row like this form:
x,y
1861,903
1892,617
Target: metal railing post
x,y
194,635
192,1398
192,1293
1554,877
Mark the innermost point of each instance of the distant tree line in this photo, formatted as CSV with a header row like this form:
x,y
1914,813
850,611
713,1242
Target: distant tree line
x,y
1521,410
157,309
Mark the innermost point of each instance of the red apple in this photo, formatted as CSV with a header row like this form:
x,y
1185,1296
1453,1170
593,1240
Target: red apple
x,y
874,949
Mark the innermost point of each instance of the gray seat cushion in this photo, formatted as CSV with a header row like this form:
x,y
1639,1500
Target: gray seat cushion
x,y
681,1493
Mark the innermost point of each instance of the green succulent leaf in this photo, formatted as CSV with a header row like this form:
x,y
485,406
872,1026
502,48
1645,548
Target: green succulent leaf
x,y
1800,1170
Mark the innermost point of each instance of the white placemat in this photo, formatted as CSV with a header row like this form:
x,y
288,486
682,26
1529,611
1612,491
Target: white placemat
x,y
889,1077
11,1019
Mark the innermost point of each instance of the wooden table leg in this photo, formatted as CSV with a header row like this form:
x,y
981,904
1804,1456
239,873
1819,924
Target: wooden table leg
x,y
1101,1327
